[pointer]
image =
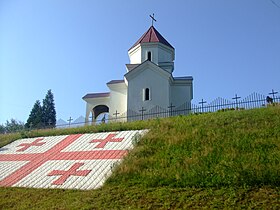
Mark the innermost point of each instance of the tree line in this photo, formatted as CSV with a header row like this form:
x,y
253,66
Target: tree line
x,y
41,116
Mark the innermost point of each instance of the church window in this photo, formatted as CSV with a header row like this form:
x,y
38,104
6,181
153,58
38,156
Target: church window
x,y
147,94
149,56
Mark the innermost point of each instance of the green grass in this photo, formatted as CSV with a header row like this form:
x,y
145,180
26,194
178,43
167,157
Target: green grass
x,y
8,138
216,160
141,198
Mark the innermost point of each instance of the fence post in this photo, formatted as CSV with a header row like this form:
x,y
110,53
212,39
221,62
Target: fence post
x,y
142,112
236,101
116,113
273,94
202,102
171,109
70,119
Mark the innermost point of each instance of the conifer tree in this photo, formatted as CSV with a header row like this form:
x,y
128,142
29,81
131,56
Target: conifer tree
x,y
48,108
13,125
35,117
2,129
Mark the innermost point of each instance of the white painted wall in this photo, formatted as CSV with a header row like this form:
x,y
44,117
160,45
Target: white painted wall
x,y
180,94
135,55
159,90
118,99
165,55
160,53
144,53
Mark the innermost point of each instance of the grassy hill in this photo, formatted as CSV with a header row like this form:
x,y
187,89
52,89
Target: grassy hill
x,y
216,160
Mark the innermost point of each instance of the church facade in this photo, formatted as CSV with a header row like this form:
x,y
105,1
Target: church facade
x,y
148,86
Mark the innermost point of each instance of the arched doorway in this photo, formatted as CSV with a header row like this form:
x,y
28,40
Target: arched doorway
x,y
100,114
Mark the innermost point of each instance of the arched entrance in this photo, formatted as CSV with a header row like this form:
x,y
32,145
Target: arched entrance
x,y
97,113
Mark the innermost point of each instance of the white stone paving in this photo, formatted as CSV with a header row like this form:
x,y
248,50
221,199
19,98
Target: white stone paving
x,y
40,166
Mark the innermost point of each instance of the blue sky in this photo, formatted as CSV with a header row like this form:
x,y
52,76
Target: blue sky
x,y
74,47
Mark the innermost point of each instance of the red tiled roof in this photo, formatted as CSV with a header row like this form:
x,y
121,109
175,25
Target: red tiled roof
x,y
152,35
96,95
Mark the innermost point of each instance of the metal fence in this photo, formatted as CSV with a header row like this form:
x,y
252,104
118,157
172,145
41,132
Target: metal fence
x,y
254,100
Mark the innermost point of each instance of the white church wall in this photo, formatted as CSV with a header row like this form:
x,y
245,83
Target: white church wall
x,y
180,94
118,102
159,90
165,55
169,67
144,53
160,53
135,55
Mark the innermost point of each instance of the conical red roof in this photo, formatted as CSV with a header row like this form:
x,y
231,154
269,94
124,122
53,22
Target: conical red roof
x,y
152,35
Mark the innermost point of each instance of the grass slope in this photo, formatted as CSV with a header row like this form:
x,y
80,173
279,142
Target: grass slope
x,y
216,160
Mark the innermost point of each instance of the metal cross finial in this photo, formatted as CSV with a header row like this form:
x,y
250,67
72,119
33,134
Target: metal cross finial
x,y
70,119
202,102
273,93
171,108
236,100
153,19
116,113
142,112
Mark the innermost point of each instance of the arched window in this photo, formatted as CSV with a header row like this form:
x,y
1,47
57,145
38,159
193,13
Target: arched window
x,y
147,94
149,56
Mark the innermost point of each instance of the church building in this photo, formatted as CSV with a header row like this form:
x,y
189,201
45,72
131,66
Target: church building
x,y
148,86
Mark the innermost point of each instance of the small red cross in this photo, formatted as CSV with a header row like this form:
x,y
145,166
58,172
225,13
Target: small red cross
x,y
66,174
25,146
103,142
36,160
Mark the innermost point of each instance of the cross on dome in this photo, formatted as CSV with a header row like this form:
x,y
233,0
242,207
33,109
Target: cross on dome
x,y
153,19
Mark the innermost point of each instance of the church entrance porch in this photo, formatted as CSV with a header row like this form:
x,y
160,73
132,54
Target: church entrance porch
x,y
100,114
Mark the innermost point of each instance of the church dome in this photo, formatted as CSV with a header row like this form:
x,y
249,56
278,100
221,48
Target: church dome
x,y
152,35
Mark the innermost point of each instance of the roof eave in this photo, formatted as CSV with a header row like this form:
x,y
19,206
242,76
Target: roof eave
x,y
96,95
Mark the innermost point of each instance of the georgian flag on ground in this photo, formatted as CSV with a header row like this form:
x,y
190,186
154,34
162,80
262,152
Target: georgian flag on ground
x,y
79,161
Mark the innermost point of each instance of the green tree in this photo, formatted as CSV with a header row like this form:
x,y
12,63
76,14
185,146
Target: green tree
x,y
13,126
35,117
48,108
2,129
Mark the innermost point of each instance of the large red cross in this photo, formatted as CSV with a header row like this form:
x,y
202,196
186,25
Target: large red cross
x,y
103,142
35,160
25,146
73,171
